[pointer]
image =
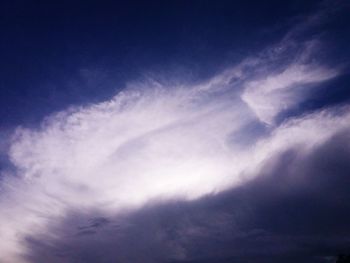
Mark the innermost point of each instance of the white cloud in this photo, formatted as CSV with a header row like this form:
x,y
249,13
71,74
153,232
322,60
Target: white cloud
x,y
271,94
136,147
152,142
118,154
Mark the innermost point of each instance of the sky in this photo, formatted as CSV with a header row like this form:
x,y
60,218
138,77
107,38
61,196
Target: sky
x,y
174,131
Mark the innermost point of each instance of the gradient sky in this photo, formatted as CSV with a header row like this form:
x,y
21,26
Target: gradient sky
x,y
174,131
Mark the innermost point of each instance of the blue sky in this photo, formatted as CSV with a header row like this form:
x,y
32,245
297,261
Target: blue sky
x,y
177,131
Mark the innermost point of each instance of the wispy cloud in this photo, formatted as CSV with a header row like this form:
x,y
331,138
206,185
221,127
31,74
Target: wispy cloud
x,y
274,93
153,142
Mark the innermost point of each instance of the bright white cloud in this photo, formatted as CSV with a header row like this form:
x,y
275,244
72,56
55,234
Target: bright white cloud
x,y
141,145
271,94
152,142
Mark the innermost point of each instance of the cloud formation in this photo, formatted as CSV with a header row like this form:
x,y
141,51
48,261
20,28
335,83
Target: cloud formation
x,y
90,171
281,215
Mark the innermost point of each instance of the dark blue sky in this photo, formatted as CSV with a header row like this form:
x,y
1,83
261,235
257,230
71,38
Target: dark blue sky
x,y
59,53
